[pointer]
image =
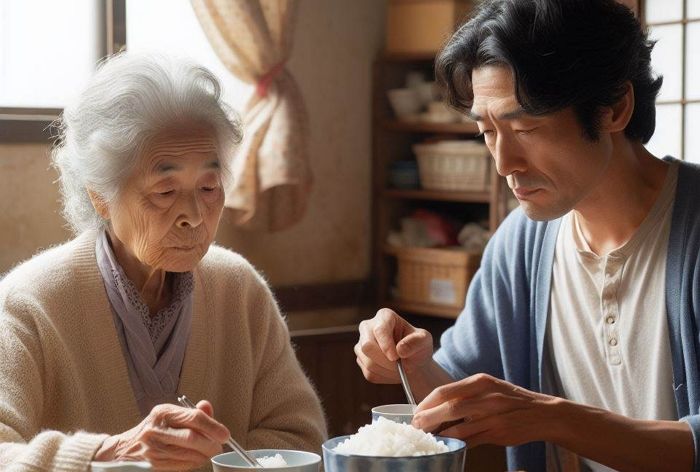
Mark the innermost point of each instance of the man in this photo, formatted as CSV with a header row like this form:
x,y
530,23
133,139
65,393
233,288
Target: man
x,y
580,328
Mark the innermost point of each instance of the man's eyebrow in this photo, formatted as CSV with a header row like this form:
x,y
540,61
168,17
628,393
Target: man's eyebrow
x,y
511,115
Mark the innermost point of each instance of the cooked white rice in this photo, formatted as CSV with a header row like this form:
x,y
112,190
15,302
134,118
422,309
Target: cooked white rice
x,y
389,439
272,461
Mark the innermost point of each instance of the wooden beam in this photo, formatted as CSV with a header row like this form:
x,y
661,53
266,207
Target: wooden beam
x,y
322,296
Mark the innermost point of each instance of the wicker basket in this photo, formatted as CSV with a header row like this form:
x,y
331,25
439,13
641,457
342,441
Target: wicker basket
x,y
435,276
453,165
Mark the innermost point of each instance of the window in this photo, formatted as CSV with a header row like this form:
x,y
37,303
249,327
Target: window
x,y
48,51
675,25
46,58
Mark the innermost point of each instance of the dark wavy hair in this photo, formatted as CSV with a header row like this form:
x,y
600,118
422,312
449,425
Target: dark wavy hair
x,y
578,53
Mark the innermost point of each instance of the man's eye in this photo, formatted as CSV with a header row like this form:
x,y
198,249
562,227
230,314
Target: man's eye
x,y
166,193
486,132
524,132
208,189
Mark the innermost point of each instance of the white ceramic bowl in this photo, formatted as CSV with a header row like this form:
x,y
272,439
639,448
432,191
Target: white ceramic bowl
x,y
398,413
297,461
450,461
427,92
404,101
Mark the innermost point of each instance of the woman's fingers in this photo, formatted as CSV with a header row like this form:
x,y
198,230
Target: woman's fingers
x,y
192,418
206,407
164,439
169,457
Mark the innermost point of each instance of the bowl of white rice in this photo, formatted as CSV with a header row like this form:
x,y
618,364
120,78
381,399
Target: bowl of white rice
x,y
387,446
280,460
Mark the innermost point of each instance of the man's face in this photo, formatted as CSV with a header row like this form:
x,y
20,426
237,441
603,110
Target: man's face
x,y
548,163
168,211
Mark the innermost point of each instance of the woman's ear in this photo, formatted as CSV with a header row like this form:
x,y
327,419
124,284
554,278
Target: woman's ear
x,y
99,204
616,117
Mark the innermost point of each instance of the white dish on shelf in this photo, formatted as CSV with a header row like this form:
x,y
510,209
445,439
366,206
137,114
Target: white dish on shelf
x,y
404,101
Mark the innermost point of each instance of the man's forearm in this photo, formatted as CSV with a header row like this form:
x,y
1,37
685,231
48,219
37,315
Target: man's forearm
x,y
425,380
620,442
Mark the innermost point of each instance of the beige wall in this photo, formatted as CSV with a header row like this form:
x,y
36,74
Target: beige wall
x,y
335,43
29,210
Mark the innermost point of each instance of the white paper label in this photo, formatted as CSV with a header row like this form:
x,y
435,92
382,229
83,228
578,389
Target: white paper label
x,y
442,291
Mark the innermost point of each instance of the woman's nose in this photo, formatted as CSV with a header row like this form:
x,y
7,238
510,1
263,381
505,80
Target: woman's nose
x,y
191,215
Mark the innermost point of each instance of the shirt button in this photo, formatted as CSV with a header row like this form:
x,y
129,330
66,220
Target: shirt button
x,y
613,342
610,320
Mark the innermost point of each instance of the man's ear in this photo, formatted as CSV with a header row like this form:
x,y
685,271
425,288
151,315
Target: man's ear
x,y
99,204
616,117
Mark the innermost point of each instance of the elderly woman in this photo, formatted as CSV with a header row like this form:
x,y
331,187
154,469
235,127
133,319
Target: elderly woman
x,y
98,336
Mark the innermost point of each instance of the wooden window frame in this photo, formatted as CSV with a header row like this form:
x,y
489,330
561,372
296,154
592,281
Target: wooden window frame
x,y
33,125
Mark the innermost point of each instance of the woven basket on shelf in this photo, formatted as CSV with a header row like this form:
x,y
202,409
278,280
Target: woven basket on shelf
x,y
453,165
435,276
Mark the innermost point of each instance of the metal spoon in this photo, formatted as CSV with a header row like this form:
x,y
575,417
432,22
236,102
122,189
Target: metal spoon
x,y
404,383
249,460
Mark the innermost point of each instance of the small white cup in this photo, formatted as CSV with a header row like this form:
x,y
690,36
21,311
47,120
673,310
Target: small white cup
x,y
398,413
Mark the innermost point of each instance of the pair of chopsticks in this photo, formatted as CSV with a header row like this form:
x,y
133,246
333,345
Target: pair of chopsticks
x,y
230,442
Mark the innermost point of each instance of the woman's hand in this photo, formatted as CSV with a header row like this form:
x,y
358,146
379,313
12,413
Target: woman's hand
x,y
482,409
171,437
386,338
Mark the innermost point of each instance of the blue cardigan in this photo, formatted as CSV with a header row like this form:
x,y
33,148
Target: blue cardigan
x,y
502,328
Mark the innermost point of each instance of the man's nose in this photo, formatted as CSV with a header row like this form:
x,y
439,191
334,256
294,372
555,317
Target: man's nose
x,y
508,157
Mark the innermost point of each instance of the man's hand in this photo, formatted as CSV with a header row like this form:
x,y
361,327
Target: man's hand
x,y
171,437
386,338
487,410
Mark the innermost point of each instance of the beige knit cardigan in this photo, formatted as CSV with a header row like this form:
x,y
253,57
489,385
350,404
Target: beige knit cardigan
x,y
64,384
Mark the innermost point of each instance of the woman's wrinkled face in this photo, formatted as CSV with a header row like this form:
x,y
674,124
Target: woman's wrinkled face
x,y
168,210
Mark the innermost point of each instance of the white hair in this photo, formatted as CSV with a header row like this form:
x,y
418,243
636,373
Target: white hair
x,y
131,99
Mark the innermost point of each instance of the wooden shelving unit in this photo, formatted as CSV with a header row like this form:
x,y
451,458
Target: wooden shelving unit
x,y
392,140
434,195
466,128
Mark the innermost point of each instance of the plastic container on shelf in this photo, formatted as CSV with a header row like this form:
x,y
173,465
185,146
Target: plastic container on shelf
x,y
404,174
435,276
453,165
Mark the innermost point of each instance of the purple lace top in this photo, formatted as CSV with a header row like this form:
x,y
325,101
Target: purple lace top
x,y
153,345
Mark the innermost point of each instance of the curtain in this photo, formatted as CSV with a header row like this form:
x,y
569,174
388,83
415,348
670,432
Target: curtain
x,y
271,173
